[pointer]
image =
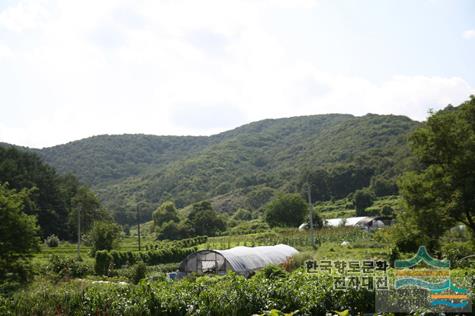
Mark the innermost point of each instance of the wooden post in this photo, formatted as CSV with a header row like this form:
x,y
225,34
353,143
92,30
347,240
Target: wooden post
x,y
138,225
312,231
79,232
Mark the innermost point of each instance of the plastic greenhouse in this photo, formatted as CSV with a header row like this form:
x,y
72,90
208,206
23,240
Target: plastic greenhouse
x,y
242,260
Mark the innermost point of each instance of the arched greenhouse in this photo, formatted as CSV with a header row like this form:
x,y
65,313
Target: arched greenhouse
x,y
242,260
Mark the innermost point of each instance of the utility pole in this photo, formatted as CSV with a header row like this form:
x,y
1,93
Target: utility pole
x,y
138,224
79,231
312,229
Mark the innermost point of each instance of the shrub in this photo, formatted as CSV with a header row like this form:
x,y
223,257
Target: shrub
x,y
139,271
272,271
120,259
298,260
387,210
286,210
104,263
362,199
103,236
455,251
67,267
52,241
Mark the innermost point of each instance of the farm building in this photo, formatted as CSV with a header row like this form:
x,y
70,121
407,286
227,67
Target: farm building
x,y
242,260
366,222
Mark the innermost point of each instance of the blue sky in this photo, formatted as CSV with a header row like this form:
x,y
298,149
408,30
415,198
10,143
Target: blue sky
x,y
73,69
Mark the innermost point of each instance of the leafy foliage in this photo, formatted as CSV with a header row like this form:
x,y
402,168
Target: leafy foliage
x,y
52,241
442,191
165,213
54,199
174,231
18,235
104,236
311,294
153,257
286,210
204,220
362,199
246,165
67,267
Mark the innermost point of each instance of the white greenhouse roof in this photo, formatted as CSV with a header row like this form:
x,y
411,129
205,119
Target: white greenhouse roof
x,y
238,259
350,221
253,258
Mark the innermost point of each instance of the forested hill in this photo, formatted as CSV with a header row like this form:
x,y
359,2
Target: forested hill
x,y
242,167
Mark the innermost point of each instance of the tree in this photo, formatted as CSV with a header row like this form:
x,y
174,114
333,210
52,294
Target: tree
x,y
104,236
362,199
286,210
89,206
242,215
18,235
204,220
382,186
442,191
173,231
165,213
25,170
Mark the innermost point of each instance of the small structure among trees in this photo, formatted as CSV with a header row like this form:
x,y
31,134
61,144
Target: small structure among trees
x,y
366,222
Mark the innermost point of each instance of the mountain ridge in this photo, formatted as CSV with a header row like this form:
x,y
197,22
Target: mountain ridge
x,y
259,157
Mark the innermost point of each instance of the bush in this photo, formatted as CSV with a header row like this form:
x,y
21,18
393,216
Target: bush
x,y
272,271
103,236
52,241
119,259
298,260
173,230
362,199
139,271
67,267
104,263
455,251
286,210
387,210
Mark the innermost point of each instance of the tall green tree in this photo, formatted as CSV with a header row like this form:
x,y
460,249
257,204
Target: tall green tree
x,y
362,199
89,206
442,192
104,236
204,220
286,210
18,235
25,170
165,213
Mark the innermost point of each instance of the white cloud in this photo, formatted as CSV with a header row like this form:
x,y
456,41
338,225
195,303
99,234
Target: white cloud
x,y
5,52
469,34
26,15
163,67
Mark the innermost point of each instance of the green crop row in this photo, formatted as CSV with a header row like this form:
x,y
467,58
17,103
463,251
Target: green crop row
x,y
107,260
228,295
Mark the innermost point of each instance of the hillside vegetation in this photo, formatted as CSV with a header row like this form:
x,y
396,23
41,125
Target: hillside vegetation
x,y
241,167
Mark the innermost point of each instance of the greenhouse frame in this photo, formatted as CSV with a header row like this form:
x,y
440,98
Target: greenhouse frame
x,y
242,260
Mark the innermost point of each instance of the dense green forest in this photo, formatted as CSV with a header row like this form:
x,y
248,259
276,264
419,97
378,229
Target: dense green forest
x,y
52,198
337,154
